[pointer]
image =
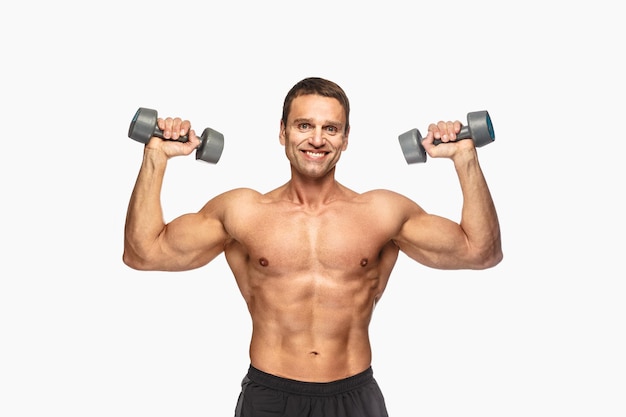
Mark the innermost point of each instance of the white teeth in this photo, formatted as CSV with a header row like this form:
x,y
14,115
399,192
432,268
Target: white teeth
x,y
315,154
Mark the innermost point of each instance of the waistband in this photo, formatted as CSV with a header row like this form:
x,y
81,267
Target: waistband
x,y
311,388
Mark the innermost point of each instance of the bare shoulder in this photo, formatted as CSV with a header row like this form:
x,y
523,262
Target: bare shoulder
x,y
238,194
230,200
390,204
386,197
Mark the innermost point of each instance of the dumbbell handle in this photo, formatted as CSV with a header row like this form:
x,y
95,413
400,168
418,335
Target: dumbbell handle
x,y
141,127
159,134
479,128
464,133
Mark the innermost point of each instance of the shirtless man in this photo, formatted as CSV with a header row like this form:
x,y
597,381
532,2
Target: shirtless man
x,y
312,257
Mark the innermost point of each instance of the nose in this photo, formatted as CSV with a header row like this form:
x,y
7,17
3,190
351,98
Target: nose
x,y
317,140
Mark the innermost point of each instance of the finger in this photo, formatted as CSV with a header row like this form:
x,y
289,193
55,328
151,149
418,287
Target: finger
x,y
185,127
161,124
429,138
177,130
167,127
457,126
450,130
434,129
443,131
193,138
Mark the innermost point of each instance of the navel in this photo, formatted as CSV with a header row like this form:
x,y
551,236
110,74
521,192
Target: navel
x,y
364,262
263,262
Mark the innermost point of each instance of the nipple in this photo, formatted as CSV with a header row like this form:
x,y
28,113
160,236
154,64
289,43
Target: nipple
x,y
364,262
263,262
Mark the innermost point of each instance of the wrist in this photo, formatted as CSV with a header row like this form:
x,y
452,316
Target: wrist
x,y
156,156
465,159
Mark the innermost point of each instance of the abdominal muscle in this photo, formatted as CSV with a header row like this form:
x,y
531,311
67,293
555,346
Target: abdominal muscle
x,y
311,328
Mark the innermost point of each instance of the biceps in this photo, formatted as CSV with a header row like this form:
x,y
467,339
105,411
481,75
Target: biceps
x,y
193,238
433,240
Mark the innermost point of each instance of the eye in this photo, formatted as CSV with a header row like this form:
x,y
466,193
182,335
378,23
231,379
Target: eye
x,y
304,126
332,129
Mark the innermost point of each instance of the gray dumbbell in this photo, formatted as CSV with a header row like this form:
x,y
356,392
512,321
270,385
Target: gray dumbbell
x,y
479,128
144,126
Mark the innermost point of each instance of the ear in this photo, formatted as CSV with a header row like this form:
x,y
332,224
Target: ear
x,y
345,139
281,134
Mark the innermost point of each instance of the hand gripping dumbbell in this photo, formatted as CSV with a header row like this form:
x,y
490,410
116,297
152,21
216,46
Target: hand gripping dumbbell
x,y
144,126
479,128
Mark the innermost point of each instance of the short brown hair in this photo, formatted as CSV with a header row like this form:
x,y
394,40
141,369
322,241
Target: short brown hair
x,y
319,86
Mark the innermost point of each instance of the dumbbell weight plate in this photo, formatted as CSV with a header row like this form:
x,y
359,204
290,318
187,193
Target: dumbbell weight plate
x,y
411,144
211,146
480,128
143,125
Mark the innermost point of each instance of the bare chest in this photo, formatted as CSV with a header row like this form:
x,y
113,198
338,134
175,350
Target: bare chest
x,y
293,241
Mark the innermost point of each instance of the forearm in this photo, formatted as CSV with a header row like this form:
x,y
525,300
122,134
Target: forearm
x,y
144,218
479,219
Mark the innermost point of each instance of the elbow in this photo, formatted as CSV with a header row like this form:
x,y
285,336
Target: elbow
x,y
489,258
492,260
132,259
488,254
139,255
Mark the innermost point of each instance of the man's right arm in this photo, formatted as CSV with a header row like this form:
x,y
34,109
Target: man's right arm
x,y
189,241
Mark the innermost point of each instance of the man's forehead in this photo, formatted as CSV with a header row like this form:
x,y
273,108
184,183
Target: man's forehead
x,y
315,106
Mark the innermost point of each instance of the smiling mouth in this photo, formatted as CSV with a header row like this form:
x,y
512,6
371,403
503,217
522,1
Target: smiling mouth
x,y
312,154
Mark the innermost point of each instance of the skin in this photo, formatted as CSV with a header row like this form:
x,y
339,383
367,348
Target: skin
x,y
311,257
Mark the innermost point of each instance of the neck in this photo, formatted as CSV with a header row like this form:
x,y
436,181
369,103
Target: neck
x,y
313,192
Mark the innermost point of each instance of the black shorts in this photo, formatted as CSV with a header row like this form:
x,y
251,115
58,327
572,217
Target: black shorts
x,y
265,395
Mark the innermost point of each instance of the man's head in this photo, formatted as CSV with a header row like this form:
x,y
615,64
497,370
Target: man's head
x,y
321,87
314,126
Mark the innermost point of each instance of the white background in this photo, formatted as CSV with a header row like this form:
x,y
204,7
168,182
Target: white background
x,y
541,334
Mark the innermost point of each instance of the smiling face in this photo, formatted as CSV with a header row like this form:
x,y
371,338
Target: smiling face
x,y
314,135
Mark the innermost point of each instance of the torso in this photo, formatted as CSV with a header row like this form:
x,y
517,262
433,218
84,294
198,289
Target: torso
x,y
311,279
